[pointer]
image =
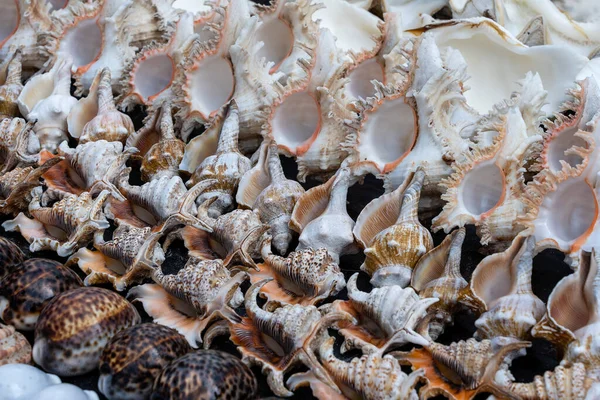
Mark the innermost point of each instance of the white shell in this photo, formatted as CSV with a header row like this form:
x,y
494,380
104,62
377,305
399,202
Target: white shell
x,y
20,381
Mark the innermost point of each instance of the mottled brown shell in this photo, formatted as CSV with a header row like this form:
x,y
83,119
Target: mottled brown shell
x,y
14,348
25,291
10,256
76,325
205,375
134,357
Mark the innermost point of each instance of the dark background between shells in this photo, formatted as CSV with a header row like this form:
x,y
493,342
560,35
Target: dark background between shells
x,y
548,269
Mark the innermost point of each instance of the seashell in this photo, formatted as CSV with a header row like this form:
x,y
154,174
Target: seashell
x,y
134,357
266,189
321,218
464,369
11,257
437,275
47,99
487,184
386,317
18,144
204,81
25,291
305,277
411,13
76,325
559,27
65,390
11,86
96,117
89,167
160,150
64,227
369,377
202,292
564,382
570,161
19,381
280,339
164,200
119,261
501,285
204,375
16,186
14,347
392,252
226,166
570,322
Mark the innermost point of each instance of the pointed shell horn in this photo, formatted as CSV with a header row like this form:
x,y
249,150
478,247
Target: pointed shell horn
x,y
252,308
354,293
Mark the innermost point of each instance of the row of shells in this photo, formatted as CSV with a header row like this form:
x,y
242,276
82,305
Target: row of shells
x,y
488,110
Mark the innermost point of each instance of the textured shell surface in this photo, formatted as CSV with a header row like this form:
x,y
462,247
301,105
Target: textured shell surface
x,y
134,357
11,257
14,347
65,226
205,375
69,339
18,381
25,291
393,252
19,145
11,86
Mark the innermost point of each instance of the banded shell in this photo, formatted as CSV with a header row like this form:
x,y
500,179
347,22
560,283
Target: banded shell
x,y
47,99
11,86
321,218
266,189
11,257
17,381
14,347
303,277
226,166
392,252
280,339
25,291
18,144
120,260
463,369
96,117
205,375
501,284
76,325
370,377
134,357
201,293
160,150
437,274
386,317
64,227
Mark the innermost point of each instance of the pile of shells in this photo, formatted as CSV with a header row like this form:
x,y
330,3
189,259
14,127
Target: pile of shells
x,y
141,148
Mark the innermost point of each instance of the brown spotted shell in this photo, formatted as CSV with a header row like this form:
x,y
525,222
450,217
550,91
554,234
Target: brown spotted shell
x,y
205,375
10,257
134,357
76,325
25,291
14,348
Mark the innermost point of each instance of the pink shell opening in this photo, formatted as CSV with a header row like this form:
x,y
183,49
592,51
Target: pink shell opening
x,y
278,40
361,77
295,121
574,210
482,188
555,152
83,51
211,85
153,75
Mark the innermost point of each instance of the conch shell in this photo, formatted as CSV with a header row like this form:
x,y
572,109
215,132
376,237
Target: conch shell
x,y
19,146
11,86
386,317
266,189
393,250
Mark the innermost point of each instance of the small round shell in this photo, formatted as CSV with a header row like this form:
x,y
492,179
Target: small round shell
x,y
134,357
25,291
205,375
76,325
20,381
14,348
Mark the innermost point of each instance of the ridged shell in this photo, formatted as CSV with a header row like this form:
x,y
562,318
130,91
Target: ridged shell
x,y
18,143
64,227
11,86
134,357
11,257
437,274
14,348
205,375
392,253
386,317
76,325
25,291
